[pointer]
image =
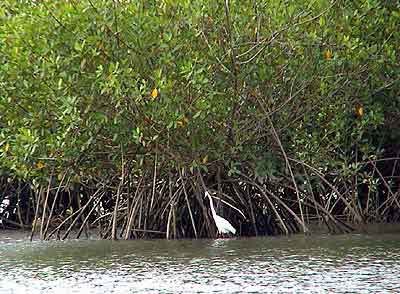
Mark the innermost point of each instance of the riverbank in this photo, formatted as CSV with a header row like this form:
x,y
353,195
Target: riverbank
x,y
11,236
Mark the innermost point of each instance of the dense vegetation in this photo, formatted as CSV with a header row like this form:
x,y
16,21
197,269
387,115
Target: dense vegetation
x,y
119,114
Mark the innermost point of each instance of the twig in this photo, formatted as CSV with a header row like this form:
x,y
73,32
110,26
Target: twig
x,y
54,204
188,206
154,181
121,183
45,204
348,205
133,209
35,220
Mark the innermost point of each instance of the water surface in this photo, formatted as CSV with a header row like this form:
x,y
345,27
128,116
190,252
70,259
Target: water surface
x,y
354,263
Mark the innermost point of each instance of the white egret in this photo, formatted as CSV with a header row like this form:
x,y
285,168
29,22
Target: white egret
x,y
223,226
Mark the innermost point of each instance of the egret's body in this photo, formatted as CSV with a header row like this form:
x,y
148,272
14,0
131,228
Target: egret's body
x,y
223,226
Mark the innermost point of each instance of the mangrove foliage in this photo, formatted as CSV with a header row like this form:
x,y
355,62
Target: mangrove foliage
x,y
119,115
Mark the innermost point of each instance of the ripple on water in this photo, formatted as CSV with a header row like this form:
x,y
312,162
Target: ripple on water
x,y
339,264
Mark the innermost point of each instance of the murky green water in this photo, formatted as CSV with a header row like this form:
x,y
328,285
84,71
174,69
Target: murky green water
x,y
296,264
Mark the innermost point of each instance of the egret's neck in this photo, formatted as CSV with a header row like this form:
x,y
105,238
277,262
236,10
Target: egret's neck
x,y
212,206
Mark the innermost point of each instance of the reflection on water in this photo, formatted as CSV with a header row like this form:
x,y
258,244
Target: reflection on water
x,y
296,264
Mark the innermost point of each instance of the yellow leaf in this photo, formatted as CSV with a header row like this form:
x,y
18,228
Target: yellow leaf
x,y
70,211
7,147
205,159
40,165
154,93
359,110
182,121
328,54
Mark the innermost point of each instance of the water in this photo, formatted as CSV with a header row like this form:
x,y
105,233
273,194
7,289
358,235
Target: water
x,y
296,264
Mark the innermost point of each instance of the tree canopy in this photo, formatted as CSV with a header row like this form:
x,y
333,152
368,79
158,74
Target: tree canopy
x,y
296,94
